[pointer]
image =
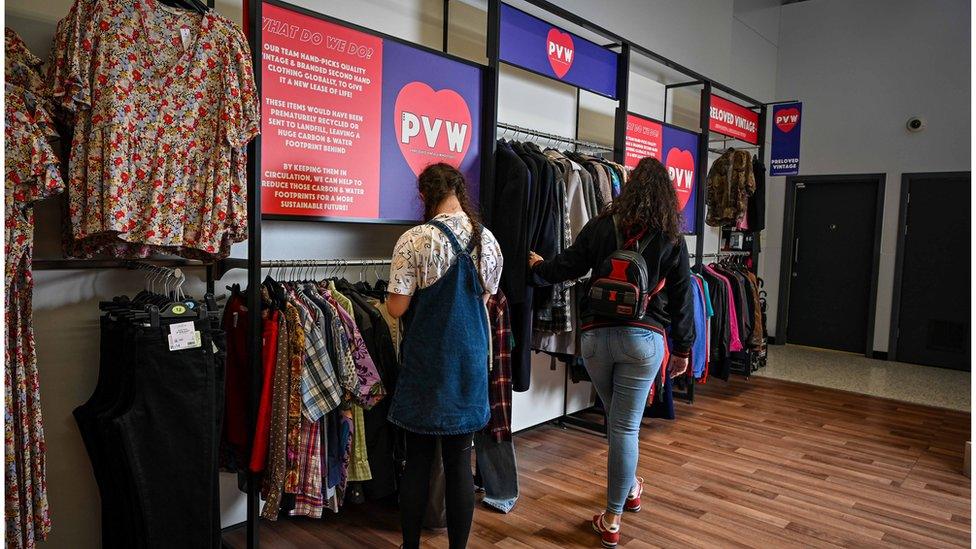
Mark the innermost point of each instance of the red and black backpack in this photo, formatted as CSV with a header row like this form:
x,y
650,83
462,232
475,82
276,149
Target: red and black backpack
x,y
620,289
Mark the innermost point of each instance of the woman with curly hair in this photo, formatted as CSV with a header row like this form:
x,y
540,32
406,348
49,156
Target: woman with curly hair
x,y
623,357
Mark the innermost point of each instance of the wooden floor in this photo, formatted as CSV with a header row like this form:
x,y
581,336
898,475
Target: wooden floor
x,y
763,463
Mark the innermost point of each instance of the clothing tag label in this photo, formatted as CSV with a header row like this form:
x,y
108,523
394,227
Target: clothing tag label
x,y
185,35
179,342
181,328
234,317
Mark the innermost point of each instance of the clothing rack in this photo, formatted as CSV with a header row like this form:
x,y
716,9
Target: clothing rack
x,y
689,394
554,137
71,264
722,151
728,253
229,264
212,274
725,141
323,262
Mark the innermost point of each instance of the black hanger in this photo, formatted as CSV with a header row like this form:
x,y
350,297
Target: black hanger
x,y
195,5
277,292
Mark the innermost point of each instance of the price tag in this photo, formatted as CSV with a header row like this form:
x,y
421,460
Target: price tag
x,y
185,35
179,342
182,328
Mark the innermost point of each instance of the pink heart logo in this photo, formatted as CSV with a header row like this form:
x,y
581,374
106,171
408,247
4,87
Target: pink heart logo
x,y
681,170
787,119
431,126
559,47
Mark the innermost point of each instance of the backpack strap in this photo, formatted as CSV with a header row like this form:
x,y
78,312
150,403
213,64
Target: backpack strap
x,y
455,245
616,232
642,247
620,238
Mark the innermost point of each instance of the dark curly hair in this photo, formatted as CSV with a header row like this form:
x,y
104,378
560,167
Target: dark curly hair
x,y
647,202
439,181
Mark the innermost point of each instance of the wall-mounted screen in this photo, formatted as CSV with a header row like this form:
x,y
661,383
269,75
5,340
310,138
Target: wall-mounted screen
x,y
674,147
349,118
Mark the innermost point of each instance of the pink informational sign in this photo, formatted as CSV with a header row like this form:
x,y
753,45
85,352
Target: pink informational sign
x,y
677,149
349,118
322,86
733,120
643,139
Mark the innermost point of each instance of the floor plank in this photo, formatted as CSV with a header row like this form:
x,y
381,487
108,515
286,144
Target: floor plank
x,y
758,463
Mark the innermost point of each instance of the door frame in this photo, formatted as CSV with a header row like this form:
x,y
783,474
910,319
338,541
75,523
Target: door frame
x,y
906,179
786,257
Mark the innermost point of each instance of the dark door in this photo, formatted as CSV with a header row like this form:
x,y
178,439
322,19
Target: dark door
x,y
831,292
933,312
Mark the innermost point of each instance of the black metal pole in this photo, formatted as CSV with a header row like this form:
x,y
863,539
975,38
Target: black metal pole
x,y
667,93
254,268
623,87
576,129
703,120
756,235
489,108
446,24
210,279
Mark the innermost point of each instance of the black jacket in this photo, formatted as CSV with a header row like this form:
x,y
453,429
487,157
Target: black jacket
x,y
673,306
756,212
508,219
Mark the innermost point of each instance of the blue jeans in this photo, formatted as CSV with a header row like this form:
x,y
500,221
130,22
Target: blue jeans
x,y
496,471
622,363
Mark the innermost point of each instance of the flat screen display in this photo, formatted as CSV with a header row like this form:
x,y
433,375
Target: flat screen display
x,y
349,118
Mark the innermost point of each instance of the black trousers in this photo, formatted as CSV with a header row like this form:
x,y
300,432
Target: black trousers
x,y
459,493
151,429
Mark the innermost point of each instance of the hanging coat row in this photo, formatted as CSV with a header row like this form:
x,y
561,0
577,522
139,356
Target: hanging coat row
x,y
330,364
730,324
328,359
735,191
539,201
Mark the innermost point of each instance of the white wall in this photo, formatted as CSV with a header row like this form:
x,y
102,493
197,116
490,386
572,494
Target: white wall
x,y
862,69
701,35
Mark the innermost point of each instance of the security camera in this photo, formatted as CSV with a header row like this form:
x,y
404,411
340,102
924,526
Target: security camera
x,y
915,124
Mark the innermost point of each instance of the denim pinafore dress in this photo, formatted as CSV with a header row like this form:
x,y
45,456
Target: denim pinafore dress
x,y
442,387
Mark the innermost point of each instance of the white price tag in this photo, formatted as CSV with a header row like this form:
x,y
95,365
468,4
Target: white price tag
x,y
179,342
182,328
185,36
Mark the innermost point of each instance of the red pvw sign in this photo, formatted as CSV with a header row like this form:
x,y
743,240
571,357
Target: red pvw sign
x,y
733,120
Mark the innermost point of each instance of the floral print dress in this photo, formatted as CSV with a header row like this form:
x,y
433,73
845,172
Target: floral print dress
x,y
163,104
30,174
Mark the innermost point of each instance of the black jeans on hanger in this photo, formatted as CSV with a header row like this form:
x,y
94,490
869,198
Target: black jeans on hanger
x,y
414,489
151,429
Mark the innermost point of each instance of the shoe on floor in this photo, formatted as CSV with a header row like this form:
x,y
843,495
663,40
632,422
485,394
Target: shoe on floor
x,y
610,536
633,503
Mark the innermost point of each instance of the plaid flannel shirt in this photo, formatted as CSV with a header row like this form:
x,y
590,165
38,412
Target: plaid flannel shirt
x,y
321,392
308,500
500,377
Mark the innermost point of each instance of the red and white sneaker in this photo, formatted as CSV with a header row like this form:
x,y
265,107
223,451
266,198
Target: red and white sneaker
x,y
633,503
609,535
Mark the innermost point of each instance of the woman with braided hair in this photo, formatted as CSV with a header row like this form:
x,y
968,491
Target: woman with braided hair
x,y
441,275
